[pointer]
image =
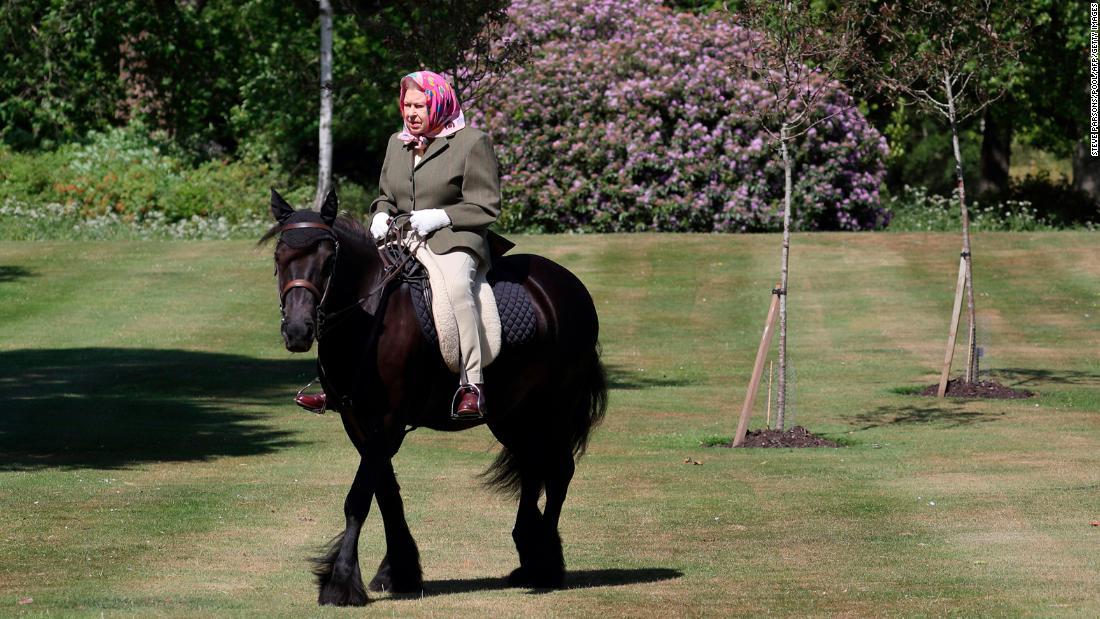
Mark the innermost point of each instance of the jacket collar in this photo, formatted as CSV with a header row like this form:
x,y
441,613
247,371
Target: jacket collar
x,y
437,146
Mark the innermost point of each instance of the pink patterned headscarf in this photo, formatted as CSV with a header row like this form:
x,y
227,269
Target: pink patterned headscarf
x,y
444,113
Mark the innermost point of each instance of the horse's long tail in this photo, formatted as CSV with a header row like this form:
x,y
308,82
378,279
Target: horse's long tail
x,y
505,473
592,405
590,388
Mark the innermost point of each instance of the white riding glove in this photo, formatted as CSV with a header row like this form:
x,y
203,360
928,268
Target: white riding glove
x,y
379,225
429,220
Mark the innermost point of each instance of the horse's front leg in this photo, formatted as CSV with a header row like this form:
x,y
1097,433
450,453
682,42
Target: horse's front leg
x,y
337,571
400,569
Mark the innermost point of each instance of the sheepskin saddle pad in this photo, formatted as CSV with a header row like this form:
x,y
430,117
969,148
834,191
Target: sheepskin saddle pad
x,y
508,316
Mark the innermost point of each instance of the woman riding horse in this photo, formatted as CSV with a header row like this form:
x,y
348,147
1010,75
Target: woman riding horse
x,y
384,375
445,175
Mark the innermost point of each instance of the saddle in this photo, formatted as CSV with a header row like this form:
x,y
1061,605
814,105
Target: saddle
x,y
508,317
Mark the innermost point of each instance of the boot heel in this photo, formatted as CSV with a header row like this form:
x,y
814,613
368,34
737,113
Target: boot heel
x,y
467,408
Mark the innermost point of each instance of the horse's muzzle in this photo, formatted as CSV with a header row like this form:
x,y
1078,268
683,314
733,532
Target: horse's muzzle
x,y
298,335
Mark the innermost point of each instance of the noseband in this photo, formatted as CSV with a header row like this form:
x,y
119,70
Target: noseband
x,y
318,295
393,266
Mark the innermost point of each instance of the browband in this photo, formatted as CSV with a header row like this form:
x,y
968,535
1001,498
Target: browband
x,y
308,224
318,295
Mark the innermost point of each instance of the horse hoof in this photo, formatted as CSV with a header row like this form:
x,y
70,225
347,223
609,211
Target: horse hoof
x,y
336,596
518,578
384,584
351,600
379,584
351,603
391,581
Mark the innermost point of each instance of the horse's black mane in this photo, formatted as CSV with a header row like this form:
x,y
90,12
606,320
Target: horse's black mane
x,y
351,227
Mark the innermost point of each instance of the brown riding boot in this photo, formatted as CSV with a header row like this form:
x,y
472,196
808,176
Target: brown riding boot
x,y
472,404
314,403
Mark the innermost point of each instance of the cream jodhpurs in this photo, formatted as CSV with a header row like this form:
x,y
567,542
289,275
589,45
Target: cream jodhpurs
x,y
459,269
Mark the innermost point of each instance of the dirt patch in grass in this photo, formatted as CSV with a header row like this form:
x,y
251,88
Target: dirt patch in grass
x,y
957,388
795,437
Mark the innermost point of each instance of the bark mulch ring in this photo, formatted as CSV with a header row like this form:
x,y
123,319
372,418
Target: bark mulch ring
x,y
795,437
983,389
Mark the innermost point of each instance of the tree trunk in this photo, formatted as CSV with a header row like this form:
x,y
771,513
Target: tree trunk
x,y
324,130
781,396
1086,171
133,72
996,153
971,346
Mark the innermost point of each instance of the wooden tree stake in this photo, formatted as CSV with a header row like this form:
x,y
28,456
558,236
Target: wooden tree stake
x,y
768,419
955,312
757,371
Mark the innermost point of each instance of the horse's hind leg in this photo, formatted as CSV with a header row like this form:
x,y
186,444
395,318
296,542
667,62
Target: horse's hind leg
x,y
400,569
337,571
559,474
527,531
542,563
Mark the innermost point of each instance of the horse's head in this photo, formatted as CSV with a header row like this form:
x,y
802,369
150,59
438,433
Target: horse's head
x,y
305,256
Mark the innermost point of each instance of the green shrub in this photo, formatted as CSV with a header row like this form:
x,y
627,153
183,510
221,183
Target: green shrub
x,y
1056,200
915,210
131,183
130,172
21,221
715,440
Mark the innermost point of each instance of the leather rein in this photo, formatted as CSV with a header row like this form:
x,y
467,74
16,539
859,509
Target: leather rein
x,y
391,269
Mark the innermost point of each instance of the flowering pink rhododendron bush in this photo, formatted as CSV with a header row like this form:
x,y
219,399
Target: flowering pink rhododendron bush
x,y
631,116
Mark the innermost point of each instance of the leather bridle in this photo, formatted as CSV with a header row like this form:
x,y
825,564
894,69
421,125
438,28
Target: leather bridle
x,y
318,295
392,268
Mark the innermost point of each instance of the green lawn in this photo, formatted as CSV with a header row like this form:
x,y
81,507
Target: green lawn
x,y
152,464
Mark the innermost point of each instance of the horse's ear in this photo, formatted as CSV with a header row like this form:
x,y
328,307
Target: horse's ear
x,y
329,208
280,210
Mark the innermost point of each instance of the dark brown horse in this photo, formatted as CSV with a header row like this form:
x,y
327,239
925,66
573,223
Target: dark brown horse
x,y
383,376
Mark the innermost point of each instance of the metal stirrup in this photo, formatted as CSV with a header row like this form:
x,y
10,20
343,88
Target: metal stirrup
x,y
324,407
455,415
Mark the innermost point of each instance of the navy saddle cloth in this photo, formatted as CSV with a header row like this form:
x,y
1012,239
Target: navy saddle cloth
x,y
518,321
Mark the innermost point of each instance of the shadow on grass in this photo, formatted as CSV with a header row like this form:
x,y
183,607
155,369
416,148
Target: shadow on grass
x,y
952,416
1030,378
580,579
116,407
619,377
9,273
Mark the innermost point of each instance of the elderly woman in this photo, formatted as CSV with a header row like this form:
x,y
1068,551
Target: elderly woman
x,y
445,175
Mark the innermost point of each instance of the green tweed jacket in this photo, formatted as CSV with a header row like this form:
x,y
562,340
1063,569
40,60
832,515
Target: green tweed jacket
x,y
459,174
